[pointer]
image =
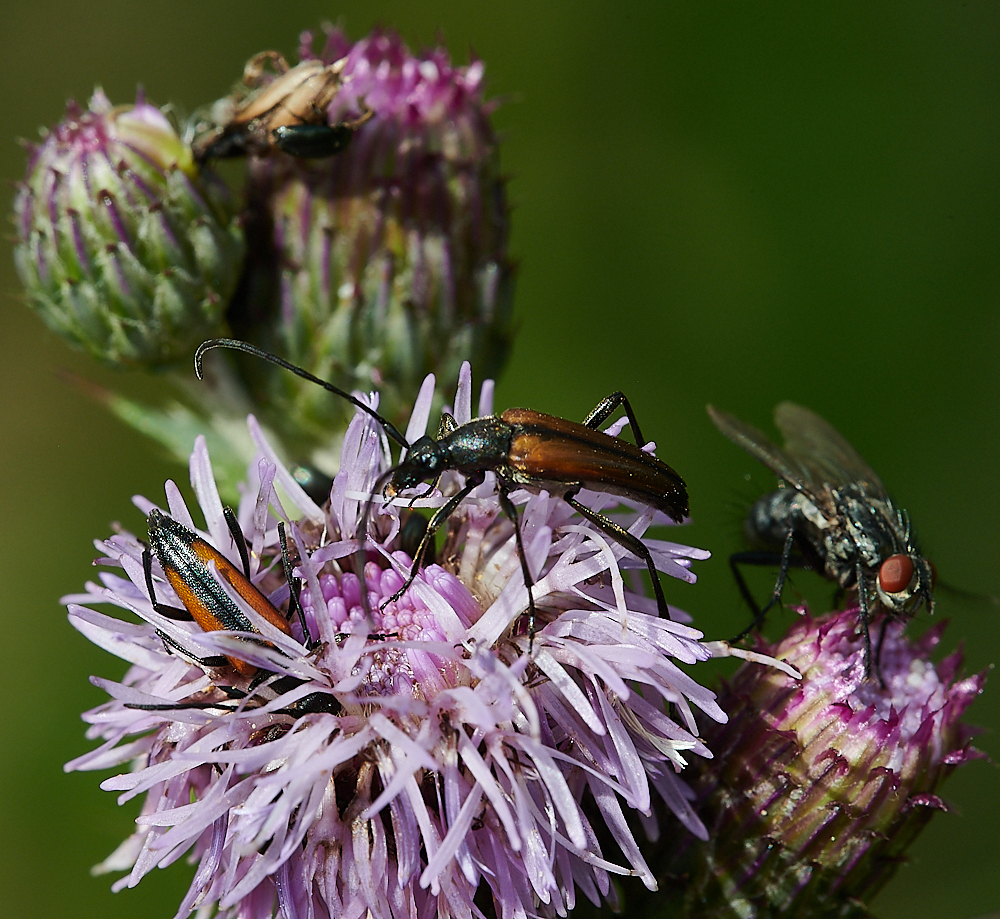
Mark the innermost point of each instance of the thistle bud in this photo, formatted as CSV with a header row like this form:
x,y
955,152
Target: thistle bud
x,y
125,247
819,786
387,261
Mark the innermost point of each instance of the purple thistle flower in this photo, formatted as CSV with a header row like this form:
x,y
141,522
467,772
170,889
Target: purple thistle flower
x,y
125,247
417,752
820,785
388,260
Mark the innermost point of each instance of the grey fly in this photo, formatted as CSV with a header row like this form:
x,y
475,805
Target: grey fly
x,y
831,514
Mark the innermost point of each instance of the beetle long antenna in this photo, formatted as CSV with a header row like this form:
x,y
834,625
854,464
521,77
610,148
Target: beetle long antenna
x,y
234,344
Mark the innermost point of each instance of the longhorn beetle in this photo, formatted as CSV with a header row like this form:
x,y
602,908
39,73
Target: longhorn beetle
x,y
523,449
185,558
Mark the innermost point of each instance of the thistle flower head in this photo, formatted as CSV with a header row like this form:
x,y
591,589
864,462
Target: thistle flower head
x,y
820,785
124,247
389,260
399,755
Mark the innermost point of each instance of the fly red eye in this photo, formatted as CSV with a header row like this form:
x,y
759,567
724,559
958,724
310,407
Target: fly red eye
x,y
895,574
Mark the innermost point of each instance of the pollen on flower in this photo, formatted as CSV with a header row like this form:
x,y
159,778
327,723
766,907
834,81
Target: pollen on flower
x,y
393,755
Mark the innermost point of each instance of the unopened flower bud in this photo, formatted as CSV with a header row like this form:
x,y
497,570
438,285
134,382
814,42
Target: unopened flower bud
x,y
125,247
819,786
388,260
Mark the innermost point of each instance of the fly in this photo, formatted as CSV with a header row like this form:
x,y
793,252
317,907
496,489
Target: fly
x,y
831,513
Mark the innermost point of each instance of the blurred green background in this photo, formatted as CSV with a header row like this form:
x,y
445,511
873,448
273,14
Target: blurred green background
x,y
725,202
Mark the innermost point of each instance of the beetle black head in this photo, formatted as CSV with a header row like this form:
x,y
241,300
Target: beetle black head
x,y
423,461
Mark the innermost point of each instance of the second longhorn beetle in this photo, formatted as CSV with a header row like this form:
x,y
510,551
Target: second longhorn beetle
x,y
187,562
523,449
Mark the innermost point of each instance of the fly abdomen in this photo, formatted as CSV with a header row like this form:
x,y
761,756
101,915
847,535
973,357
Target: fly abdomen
x,y
772,516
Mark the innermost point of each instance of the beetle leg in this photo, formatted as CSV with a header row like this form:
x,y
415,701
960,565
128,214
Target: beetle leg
x,y
606,406
214,662
168,612
238,538
440,516
624,538
178,706
356,123
411,535
507,506
424,494
294,586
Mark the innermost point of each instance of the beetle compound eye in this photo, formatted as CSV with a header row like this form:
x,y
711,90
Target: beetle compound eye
x,y
895,574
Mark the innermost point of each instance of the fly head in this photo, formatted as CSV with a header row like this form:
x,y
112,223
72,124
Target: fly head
x,y
904,582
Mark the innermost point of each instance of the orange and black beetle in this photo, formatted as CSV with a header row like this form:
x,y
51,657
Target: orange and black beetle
x,y
523,449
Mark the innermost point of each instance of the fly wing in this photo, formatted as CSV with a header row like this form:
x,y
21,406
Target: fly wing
x,y
757,443
816,446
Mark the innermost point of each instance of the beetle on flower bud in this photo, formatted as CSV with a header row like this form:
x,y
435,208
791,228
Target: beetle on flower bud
x,y
286,111
833,510
523,449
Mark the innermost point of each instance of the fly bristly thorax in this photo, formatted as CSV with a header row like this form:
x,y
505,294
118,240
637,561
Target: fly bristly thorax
x,y
874,525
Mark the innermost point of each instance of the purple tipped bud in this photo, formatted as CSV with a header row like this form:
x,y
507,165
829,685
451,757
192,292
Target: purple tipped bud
x,y
124,247
388,260
819,786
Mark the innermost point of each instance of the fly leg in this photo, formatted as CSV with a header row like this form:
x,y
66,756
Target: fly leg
x,y
609,404
625,539
865,617
878,650
784,560
511,512
779,585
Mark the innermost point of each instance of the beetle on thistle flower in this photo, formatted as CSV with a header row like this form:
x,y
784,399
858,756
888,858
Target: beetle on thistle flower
x,y
523,449
449,759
